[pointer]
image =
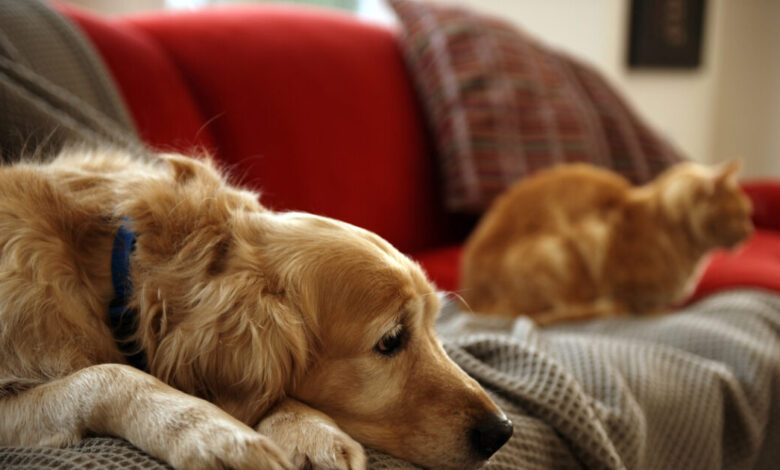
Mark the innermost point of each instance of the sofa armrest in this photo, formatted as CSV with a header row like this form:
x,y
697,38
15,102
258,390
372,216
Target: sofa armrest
x,y
765,195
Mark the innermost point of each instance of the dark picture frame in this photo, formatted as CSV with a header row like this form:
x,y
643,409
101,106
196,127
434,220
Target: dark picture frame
x,y
666,33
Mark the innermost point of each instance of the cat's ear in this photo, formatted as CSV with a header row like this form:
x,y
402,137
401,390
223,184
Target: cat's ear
x,y
728,171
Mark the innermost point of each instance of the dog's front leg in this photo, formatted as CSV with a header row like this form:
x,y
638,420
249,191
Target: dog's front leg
x,y
311,438
185,431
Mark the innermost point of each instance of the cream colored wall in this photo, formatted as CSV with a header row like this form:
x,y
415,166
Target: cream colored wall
x,y
747,113
730,106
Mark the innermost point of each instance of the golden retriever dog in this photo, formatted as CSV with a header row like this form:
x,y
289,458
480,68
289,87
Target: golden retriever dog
x,y
271,340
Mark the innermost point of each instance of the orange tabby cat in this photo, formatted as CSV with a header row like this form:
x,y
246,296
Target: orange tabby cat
x,y
577,241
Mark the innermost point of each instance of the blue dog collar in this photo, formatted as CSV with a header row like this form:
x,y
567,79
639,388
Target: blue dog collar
x,y
122,320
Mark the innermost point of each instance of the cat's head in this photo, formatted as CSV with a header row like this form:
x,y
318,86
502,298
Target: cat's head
x,y
708,202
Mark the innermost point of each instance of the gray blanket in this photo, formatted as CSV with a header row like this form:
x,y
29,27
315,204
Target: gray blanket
x,y
698,389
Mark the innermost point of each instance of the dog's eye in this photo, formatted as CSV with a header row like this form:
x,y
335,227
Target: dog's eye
x,y
391,343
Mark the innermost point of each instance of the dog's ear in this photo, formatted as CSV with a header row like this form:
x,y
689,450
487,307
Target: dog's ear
x,y
192,203
205,180
187,169
237,341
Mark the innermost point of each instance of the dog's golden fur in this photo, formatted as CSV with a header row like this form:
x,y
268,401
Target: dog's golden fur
x,y
275,318
577,241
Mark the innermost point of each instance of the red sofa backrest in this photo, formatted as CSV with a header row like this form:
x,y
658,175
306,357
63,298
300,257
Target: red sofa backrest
x,y
314,108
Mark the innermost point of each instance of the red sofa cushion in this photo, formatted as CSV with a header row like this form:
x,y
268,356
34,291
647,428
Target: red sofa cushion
x,y
755,264
312,107
442,266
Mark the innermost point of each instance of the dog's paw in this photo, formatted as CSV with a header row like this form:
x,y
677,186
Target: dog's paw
x,y
312,440
222,444
322,447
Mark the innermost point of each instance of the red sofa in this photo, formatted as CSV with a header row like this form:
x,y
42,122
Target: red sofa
x,y
316,108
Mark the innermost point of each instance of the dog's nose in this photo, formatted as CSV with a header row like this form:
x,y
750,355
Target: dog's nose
x,y
489,434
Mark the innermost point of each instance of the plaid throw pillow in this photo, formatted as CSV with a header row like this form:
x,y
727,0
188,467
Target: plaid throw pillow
x,y
501,106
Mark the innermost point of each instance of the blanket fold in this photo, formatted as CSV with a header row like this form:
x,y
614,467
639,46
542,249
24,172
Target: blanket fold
x,y
54,88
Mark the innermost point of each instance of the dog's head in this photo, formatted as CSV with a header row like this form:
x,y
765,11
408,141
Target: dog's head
x,y
242,306
378,368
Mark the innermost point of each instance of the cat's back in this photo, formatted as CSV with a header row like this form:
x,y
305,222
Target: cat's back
x,y
541,202
575,188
